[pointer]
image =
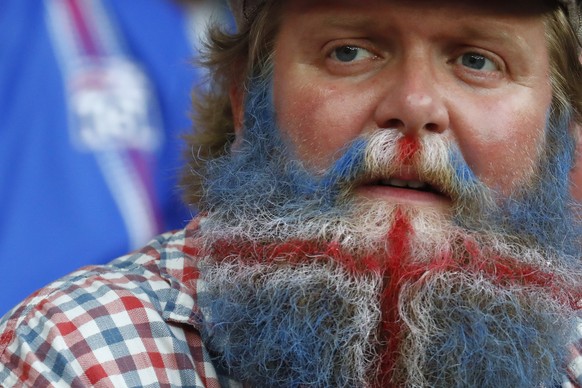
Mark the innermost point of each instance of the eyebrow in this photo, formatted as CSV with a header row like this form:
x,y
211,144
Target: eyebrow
x,y
509,38
469,29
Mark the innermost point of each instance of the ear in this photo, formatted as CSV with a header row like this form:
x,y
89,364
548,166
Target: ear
x,y
576,173
237,106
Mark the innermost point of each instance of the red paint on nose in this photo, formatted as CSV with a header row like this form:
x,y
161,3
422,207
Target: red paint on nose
x,y
408,146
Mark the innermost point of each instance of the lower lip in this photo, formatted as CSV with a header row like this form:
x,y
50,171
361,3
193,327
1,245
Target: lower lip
x,y
403,196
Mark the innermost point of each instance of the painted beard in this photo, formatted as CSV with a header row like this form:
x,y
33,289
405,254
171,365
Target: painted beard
x,y
307,286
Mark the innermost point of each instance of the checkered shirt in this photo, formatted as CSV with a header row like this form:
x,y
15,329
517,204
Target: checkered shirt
x,y
132,323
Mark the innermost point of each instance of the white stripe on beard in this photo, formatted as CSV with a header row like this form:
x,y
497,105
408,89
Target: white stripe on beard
x,y
316,324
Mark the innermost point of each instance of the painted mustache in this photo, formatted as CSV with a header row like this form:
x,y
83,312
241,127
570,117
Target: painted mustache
x,y
389,158
280,240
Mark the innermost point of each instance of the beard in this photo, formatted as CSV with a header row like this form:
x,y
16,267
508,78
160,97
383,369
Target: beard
x,y
306,285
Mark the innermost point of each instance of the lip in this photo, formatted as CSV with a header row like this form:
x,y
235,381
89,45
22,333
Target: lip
x,y
378,190
402,196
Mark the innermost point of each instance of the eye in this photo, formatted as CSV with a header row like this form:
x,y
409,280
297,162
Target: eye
x,y
476,61
350,54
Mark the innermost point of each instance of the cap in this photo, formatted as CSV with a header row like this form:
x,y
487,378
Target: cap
x,y
244,10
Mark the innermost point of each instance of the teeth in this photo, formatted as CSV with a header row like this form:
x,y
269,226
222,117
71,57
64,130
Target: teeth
x,y
402,183
416,184
397,183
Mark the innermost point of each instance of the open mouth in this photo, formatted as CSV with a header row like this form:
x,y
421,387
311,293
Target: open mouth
x,y
408,184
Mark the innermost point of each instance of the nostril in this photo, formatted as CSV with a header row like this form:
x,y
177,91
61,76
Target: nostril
x,y
394,124
432,127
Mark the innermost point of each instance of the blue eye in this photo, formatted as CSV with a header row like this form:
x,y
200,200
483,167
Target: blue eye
x,y
350,53
346,53
477,62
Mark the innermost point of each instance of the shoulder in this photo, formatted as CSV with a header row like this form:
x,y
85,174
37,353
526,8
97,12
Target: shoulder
x,y
132,322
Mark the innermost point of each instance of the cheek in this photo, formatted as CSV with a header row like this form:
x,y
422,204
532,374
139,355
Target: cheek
x,y
317,122
576,179
503,148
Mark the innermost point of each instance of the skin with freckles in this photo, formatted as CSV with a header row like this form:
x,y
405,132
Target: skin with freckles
x,y
479,78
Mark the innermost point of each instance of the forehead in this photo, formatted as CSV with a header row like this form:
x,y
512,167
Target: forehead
x,y
372,12
506,7
511,26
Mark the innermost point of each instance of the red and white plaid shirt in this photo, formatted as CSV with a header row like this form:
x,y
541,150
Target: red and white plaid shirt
x,y
132,323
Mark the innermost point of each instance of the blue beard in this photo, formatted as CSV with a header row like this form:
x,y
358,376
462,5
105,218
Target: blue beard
x,y
316,325
266,337
544,212
262,176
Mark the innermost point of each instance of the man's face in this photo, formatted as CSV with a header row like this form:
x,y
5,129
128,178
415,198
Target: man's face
x,y
395,208
478,78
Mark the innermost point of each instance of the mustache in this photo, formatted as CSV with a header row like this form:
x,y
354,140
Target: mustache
x,y
431,162
271,215
263,180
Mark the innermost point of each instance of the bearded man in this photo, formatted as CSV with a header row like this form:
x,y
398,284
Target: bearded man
x,y
383,196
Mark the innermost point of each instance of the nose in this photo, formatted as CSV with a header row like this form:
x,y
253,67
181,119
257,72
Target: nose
x,y
411,100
